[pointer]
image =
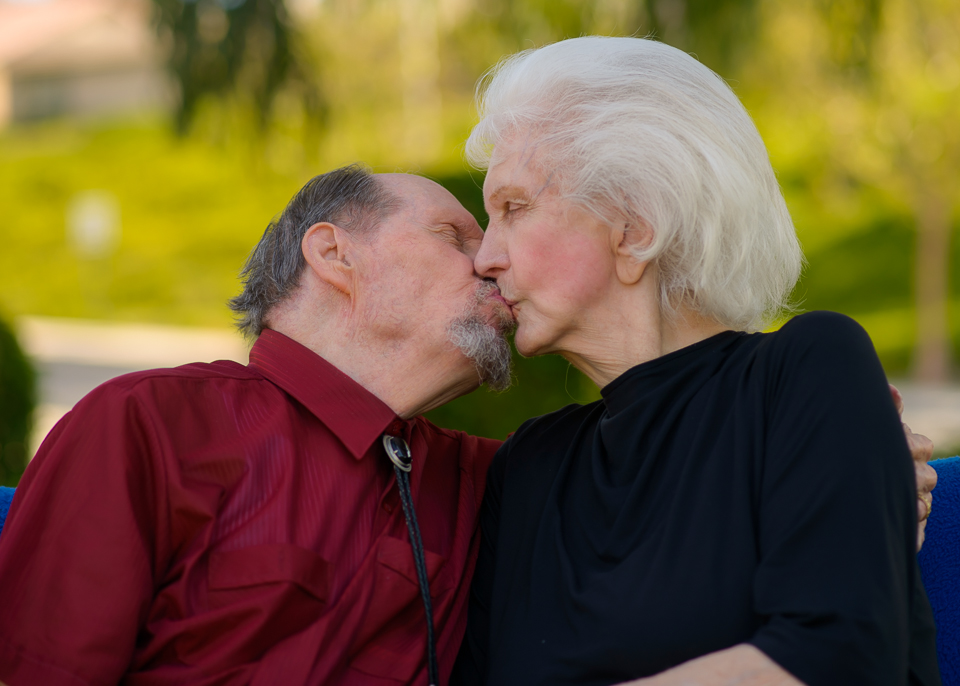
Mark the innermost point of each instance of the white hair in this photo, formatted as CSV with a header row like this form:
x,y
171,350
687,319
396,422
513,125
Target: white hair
x,y
640,130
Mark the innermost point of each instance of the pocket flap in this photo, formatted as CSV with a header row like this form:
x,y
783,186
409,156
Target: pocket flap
x,y
398,556
270,563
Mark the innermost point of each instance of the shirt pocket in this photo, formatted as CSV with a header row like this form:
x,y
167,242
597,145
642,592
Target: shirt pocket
x,y
393,636
265,593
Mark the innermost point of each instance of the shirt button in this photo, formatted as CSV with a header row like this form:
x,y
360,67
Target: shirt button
x,y
388,507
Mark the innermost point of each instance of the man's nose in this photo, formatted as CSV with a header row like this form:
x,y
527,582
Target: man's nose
x,y
491,259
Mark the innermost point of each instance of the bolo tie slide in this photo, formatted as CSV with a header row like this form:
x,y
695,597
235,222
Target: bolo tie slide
x,y
399,453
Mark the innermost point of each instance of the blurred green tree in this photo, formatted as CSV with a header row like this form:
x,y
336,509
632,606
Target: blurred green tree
x,y
244,49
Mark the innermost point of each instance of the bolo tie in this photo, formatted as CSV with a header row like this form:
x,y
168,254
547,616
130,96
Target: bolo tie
x,y
399,453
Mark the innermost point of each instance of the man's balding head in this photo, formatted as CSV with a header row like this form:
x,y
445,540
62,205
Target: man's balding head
x,y
350,197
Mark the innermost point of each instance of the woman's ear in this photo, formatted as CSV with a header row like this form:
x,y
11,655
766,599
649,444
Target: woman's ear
x,y
631,239
325,247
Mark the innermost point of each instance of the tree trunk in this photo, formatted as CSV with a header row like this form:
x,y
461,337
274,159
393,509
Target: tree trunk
x,y
931,362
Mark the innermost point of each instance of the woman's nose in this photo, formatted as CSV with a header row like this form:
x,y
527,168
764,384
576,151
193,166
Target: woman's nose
x,y
491,259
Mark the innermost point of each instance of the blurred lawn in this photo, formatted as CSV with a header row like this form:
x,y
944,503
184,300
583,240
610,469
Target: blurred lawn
x,y
191,210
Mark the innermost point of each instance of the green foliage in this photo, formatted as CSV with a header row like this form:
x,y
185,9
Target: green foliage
x,y
719,32
854,25
189,214
18,397
241,48
535,22
541,385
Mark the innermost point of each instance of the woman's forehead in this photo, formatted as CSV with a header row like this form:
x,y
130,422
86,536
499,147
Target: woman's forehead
x,y
516,172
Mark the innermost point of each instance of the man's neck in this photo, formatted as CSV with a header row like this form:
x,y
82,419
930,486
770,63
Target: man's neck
x,y
408,381
409,376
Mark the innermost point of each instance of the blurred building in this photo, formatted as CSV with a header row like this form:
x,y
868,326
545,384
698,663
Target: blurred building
x,y
78,58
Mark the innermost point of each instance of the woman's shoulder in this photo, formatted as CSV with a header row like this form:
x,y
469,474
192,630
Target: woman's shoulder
x,y
821,333
820,324
819,354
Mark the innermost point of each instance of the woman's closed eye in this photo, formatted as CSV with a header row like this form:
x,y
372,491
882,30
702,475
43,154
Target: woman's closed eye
x,y
512,207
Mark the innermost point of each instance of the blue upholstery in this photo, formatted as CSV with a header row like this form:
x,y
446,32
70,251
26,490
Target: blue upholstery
x,y
940,566
6,495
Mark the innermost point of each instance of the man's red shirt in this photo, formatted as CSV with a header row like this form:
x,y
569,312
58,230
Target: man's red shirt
x,y
222,524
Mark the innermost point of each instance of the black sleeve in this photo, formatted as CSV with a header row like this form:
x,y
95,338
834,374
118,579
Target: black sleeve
x,y
836,580
471,665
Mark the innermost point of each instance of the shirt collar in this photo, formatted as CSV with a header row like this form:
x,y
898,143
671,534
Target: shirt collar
x,y
353,413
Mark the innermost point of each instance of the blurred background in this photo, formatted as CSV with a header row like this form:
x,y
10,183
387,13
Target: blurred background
x,y
146,144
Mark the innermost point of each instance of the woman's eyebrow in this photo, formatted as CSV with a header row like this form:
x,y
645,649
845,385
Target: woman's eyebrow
x,y
518,192
508,190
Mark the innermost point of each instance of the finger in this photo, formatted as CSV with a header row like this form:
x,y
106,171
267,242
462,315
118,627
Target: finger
x,y
924,507
897,399
926,477
921,447
921,534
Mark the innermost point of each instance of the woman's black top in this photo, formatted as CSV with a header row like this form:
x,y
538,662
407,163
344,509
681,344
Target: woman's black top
x,y
749,488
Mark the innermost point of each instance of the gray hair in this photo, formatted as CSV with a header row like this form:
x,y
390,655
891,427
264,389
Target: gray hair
x,y
350,197
642,131
482,343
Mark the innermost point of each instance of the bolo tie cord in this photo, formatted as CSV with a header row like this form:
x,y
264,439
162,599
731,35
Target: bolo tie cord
x,y
399,453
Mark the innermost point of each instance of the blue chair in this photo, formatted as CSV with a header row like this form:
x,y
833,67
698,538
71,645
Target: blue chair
x,y
940,566
6,496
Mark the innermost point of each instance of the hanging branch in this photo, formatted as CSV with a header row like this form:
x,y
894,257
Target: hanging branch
x,y
229,47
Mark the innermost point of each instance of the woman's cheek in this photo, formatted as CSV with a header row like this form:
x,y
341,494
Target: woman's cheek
x,y
583,278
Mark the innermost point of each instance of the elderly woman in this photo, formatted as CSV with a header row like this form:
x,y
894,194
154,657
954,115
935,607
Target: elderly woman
x,y
739,507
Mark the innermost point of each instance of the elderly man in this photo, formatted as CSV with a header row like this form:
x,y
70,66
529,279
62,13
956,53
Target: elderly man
x,y
218,524
221,524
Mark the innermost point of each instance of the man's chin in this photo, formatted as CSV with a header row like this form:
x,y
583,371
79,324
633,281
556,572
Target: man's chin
x,y
502,320
487,347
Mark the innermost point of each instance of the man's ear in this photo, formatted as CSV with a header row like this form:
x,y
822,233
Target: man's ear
x,y
630,239
325,248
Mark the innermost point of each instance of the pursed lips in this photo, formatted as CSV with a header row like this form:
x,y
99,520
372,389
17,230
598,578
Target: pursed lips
x,y
499,297
506,301
504,305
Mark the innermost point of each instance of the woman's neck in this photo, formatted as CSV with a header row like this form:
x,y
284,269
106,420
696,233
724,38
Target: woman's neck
x,y
617,342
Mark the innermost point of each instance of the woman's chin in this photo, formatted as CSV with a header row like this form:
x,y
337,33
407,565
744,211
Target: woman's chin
x,y
528,343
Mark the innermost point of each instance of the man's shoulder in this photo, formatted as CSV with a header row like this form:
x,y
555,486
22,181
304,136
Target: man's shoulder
x,y
222,369
175,390
174,379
